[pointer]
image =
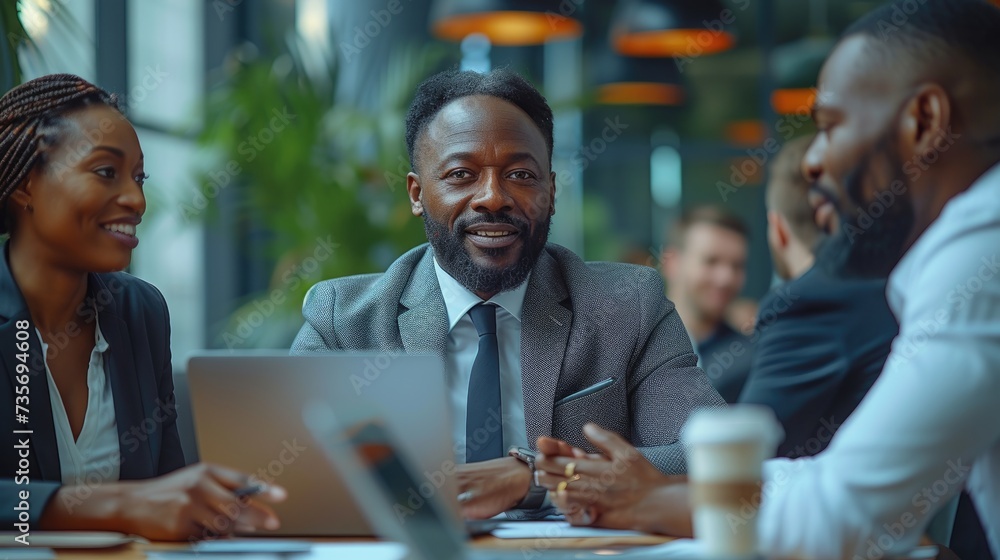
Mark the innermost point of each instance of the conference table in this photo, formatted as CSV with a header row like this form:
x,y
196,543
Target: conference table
x,y
137,551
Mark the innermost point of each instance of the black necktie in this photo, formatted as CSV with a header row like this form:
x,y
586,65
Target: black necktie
x,y
484,420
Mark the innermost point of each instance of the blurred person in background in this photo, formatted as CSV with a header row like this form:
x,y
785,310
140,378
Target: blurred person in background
x,y
909,148
86,348
821,341
704,261
742,314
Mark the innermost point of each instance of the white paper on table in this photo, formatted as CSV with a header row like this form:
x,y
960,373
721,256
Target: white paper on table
x,y
555,530
368,551
680,549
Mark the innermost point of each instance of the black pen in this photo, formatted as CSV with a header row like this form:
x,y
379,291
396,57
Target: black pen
x,y
249,490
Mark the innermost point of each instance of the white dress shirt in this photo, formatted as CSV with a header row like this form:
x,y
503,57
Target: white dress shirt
x,y
93,458
929,425
463,345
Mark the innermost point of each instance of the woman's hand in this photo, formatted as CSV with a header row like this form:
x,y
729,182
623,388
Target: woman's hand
x,y
194,502
618,489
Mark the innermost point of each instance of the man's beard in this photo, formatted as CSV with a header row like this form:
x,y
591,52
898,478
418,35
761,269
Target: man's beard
x,y
873,234
449,248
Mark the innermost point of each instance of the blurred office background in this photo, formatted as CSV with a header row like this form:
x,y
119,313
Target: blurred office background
x,y
273,129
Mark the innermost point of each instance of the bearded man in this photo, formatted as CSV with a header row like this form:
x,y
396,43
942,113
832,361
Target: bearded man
x,y
535,341
908,156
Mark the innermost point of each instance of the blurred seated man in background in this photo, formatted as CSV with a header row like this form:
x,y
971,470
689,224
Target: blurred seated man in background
x,y
704,262
821,341
742,314
535,341
909,148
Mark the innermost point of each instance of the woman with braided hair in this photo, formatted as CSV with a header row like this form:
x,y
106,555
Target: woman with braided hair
x,y
88,396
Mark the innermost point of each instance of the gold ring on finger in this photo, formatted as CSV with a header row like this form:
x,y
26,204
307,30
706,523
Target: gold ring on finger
x,y
570,469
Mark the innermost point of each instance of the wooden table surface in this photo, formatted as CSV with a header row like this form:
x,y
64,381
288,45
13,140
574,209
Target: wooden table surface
x,y
138,551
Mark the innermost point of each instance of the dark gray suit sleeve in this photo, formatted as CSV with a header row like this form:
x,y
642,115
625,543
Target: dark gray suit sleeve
x,y
318,333
665,383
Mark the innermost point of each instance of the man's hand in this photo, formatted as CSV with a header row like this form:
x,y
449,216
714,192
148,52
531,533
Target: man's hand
x,y
619,489
492,487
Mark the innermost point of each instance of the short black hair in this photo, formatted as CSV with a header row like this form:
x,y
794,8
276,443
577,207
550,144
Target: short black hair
x,y
936,31
443,88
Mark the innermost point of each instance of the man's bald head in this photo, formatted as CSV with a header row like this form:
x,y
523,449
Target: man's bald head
x,y
788,192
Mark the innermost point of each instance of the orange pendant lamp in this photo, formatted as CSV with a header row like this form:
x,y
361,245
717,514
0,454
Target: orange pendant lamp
x,y
507,23
626,80
671,28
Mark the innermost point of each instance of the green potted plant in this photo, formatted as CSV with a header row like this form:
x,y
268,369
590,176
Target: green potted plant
x,y
325,177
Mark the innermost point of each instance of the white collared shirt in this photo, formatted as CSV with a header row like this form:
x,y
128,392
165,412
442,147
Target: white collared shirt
x,y
95,457
463,345
931,423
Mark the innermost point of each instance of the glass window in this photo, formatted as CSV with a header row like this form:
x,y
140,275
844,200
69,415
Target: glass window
x,y
165,62
65,38
170,251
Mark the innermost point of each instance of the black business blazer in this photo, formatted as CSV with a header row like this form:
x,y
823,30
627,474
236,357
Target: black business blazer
x,y
134,321
820,344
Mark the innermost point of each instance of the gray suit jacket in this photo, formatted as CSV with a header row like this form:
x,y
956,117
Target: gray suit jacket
x,y
582,323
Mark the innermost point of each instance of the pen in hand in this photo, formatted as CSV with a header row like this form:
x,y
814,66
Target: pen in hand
x,y
248,490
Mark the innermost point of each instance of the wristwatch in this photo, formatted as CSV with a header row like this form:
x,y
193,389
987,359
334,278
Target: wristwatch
x,y
535,498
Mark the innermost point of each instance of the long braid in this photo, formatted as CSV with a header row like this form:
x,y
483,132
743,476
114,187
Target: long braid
x,y
26,113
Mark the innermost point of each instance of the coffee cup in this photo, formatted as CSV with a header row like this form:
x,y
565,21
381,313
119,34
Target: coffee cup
x,y
726,449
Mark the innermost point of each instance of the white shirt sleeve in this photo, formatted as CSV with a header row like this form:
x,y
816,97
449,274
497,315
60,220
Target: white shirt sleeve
x,y
911,444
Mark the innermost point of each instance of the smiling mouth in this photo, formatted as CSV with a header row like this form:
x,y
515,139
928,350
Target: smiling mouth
x,y
492,233
125,229
492,236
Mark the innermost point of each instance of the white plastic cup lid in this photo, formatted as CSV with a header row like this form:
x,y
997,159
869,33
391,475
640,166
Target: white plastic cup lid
x,y
733,424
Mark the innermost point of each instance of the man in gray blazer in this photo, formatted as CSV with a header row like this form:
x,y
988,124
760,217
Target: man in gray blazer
x,y
535,341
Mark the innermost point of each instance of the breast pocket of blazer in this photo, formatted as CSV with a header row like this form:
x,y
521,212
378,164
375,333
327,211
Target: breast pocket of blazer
x,y
604,403
586,392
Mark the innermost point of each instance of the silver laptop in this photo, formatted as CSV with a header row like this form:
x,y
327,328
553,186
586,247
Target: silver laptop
x,y
247,411
384,477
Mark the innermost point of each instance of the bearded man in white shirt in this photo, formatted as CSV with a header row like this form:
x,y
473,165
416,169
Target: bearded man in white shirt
x,y
908,151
